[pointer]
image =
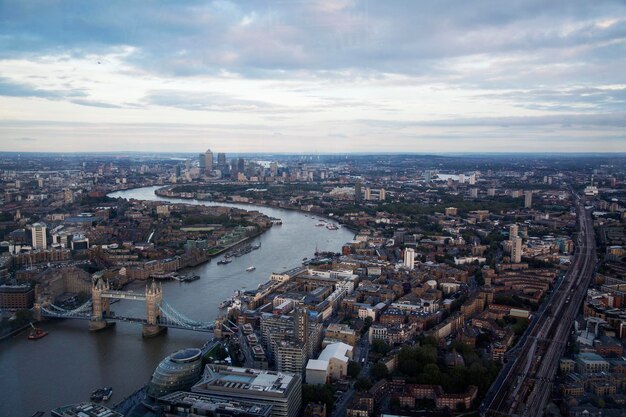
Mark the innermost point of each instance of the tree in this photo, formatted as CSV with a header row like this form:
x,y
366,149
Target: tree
x,y
379,371
394,403
354,369
379,346
318,394
362,384
23,316
432,374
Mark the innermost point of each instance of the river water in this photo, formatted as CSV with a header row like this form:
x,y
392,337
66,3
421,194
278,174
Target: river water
x,y
69,363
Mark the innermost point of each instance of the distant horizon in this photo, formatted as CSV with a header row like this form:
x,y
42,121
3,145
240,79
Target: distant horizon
x,y
356,153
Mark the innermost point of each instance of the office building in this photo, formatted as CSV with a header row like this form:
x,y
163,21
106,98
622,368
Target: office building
x,y
474,193
16,297
87,409
513,231
275,325
38,234
528,199
221,159
428,176
206,161
409,258
461,178
283,391
472,179
186,404
516,250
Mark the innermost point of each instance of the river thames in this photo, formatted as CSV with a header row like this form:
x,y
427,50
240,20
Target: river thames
x,y
68,364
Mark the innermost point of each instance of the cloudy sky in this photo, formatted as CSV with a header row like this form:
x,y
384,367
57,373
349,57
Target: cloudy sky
x,y
313,76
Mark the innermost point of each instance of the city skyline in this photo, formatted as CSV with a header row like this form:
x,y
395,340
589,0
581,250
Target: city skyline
x,y
313,77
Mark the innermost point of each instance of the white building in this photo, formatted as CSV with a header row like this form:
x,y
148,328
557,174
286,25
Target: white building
x,y
38,234
409,258
332,364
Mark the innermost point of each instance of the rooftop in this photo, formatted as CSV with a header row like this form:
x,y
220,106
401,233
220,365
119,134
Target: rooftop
x,y
246,379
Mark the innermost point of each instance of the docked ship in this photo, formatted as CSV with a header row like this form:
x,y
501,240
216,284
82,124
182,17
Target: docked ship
x,y
224,262
331,226
190,278
102,394
36,333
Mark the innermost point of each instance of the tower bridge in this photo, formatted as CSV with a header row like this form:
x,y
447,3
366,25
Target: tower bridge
x,y
159,314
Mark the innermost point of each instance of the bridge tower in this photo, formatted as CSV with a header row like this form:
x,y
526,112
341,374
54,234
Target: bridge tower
x,y
37,311
154,296
100,306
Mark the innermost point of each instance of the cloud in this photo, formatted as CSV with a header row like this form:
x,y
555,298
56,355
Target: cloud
x,y
93,103
16,89
25,139
199,101
367,69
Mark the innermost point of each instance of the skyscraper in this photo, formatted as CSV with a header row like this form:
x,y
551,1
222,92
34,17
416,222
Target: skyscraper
x,y
409,258
221,159
513,231
206,161
38,234
358,193
516,250
301,324
528,199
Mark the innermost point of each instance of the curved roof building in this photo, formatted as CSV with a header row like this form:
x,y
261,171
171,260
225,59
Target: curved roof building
x,y
177,372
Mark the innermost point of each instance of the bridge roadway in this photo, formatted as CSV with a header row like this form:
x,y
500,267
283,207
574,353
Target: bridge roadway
x,y
524,385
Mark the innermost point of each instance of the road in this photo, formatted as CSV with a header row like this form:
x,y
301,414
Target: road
x,y
524,385
361,353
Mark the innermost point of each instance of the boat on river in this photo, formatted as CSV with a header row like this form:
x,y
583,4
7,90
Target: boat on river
x,y
36,333
224,262
251,268
102,394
